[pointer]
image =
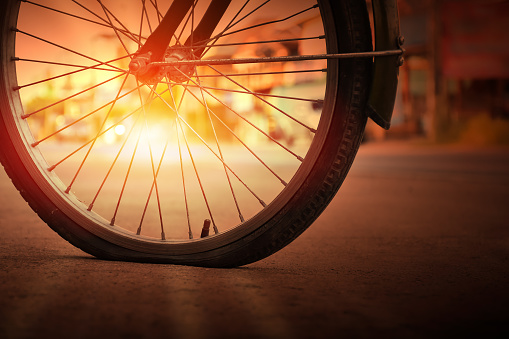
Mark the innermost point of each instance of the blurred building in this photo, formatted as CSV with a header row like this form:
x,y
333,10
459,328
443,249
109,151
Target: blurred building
x,y
456,69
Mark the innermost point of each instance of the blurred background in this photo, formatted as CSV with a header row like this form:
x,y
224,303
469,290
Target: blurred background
x,y
454,84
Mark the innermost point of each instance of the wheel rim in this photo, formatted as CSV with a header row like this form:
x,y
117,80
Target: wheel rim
x,y
68,192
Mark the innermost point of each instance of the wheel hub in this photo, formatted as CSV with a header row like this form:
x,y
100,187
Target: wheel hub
x,y
145,71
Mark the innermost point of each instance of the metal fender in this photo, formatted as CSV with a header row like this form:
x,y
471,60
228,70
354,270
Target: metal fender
x,y
385,68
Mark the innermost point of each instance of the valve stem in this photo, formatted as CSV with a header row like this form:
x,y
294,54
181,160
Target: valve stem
x,y
206,228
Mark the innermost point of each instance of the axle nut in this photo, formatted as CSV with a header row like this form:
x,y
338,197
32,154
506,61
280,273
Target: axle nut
x,y
134,66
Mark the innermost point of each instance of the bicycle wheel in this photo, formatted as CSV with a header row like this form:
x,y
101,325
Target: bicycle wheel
x,y
133,168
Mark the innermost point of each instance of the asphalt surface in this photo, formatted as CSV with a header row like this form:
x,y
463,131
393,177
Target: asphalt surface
x,y
415,245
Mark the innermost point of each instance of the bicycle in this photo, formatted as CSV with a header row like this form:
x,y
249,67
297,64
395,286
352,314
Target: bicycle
x,y
122,126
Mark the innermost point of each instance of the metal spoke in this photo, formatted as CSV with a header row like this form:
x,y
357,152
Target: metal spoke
x,y
127,33
266,23
69,97
65,48
69,65
112,222
113,164
177,108
71,73
146,16
106,11
189,16
163,237
249,122
220,152
192,159
156,7
318,101
138,231
253,42
196,172
52,167
265,101
214,153
231,24
240,140
116,19
97,136
183,183
75,16
157,173
80,119
141,25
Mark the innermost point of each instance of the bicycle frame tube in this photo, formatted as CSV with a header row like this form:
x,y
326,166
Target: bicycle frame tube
x,y
208,23
384,82
158,41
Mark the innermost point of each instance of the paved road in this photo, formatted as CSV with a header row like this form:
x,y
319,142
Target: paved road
x,y
415,245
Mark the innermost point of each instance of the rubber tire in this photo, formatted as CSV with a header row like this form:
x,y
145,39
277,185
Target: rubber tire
x,y
334,161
